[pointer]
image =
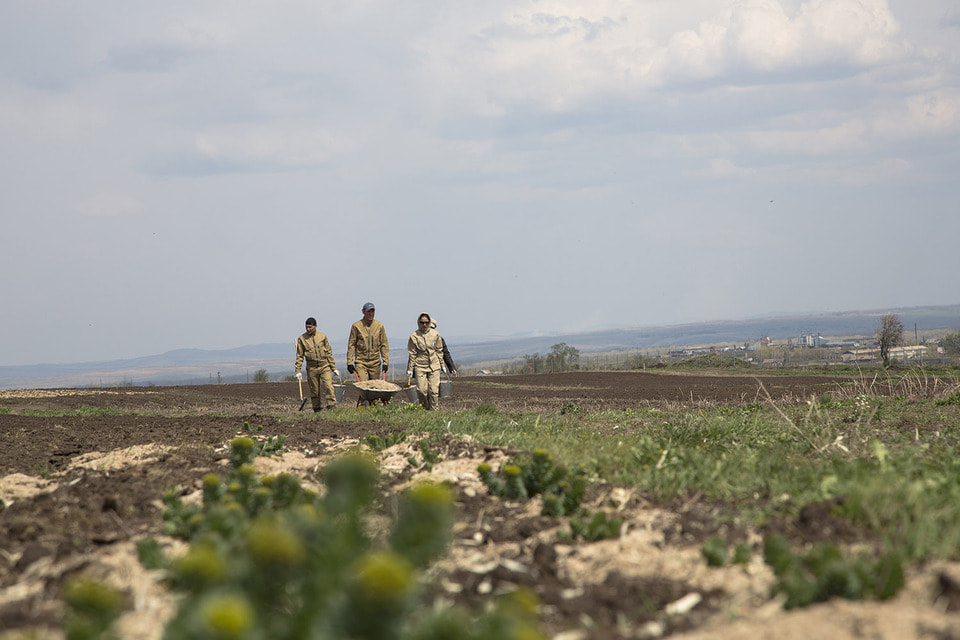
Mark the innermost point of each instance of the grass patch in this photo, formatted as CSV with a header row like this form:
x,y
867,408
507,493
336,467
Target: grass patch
x,y
887,451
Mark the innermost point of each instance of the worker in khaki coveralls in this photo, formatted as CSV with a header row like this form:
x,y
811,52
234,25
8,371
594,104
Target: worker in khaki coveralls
x,y
425,362
368,352
314,347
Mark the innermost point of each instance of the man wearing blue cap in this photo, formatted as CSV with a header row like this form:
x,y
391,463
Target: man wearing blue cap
x,y
368,352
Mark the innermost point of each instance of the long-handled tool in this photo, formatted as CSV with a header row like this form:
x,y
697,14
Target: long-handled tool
x,y
303,400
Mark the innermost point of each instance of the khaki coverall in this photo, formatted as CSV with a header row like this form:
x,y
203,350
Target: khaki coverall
x,y
424,359
367,349
315,349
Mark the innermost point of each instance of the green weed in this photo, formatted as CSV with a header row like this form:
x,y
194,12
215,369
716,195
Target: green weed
x,y
593,527
537,474
379,443
824,572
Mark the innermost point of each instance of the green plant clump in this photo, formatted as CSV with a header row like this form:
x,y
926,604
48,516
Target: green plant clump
x,y
270,559
92,608
824,572
715,552
599,526
379,443
562,491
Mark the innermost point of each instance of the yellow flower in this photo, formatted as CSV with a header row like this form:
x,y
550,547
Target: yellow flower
x,y
201,562
227,615
271,544
384,576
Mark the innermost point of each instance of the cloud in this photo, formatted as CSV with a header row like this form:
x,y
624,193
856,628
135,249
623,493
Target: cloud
x,y
108,204
913,117
150,57
951,17
855,173
560,54
726,168
176,44
269,147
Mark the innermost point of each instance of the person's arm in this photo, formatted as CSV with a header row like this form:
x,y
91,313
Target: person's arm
x,y
300,352
411,353
327,354
352,346
384,348
447,358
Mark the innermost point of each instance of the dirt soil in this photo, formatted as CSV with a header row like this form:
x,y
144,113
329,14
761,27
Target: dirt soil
x,y
78,492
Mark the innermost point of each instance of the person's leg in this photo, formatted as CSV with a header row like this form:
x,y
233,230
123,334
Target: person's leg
x,y
313,378
329,395
434,390
423,387
363,373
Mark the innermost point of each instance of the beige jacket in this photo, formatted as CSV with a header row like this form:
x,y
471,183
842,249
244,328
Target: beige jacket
x,y
425,350
368,345
315,349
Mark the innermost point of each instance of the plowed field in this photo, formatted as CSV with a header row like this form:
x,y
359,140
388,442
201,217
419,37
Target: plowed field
x,y
82,471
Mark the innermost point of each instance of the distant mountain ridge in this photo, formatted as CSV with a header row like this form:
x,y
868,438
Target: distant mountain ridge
x,y
199,366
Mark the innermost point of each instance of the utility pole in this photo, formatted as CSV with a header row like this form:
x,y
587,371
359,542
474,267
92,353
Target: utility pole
x,y
916,338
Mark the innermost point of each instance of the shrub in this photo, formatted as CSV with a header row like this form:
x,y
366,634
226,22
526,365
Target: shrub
x,y
269,559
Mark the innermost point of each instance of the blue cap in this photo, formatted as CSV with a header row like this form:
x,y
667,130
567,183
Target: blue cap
x,y
368,306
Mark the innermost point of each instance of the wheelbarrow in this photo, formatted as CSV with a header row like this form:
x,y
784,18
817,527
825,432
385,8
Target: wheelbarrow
x,y
372,394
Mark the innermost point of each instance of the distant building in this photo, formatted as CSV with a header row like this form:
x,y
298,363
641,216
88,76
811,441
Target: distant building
x,y
859,355
809,340
907,353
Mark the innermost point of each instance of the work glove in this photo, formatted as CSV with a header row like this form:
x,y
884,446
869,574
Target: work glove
x,y
299,376
443,369
409,373
384,368
336,373
351,368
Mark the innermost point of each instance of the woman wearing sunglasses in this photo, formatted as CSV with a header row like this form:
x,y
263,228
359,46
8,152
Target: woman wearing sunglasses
x,y
425,362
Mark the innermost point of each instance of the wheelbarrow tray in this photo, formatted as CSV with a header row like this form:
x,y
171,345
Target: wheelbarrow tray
x,y
370,394
376,394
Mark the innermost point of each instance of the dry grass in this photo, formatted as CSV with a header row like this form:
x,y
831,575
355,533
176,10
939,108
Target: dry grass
x,y
914,384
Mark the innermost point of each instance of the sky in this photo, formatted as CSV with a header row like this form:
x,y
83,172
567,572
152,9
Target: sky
x,y
207,174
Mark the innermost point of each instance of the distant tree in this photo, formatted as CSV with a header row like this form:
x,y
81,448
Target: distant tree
x,y
951,344
261,376
563,357
889,335
534,362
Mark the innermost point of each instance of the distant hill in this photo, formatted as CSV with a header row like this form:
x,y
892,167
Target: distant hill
x,y
200,366
779,328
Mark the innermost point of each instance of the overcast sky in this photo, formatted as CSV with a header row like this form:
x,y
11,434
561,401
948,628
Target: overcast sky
x,y
200,174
